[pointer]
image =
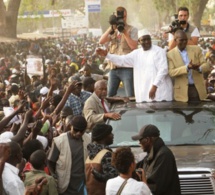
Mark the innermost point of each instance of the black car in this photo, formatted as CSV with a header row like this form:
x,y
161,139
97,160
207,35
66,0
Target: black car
x,y
187,129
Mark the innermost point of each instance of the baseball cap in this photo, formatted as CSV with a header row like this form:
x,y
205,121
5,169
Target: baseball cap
x,y
147,131
75,78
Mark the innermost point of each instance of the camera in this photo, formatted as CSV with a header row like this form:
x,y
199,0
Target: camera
x,y
118,20
176,24
139,171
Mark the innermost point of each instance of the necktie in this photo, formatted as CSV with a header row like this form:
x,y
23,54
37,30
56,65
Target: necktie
x,y
103,104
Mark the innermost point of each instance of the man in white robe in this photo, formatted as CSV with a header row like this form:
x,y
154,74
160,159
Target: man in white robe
x,y
151,79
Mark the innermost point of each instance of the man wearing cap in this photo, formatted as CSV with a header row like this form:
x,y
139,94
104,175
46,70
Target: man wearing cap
x,y
151,79
67,157
159,164
98,164
78,97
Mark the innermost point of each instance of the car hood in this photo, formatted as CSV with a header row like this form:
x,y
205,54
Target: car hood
x,y
194,156
187,156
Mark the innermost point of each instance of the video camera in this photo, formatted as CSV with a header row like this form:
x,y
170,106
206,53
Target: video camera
x,y
176,24
118,21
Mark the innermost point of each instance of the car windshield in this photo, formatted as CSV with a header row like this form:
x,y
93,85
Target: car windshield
x,y
177,126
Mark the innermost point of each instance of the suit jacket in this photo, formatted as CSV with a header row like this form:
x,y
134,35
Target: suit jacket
x,y
178,71
93,111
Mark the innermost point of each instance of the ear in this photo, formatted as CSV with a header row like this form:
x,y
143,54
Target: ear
x,y
133,166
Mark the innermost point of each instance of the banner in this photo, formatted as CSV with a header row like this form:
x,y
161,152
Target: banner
x,y
34,65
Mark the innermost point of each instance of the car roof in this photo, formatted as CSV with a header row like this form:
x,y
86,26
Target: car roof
x,y
162,105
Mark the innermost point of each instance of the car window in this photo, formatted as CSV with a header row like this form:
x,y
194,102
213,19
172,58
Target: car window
x,y
177,127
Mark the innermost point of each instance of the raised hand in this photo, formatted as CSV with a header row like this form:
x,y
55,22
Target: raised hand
x,y
22,95
101,52
22,106
72,86
37,127
45,103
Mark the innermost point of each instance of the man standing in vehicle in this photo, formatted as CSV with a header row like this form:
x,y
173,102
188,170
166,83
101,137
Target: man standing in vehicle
x,y
192,32
186,67
122,39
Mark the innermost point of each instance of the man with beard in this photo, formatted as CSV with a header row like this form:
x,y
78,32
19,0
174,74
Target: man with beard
x,y
192,32
159,164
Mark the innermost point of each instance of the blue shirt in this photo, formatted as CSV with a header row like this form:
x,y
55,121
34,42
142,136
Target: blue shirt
x,y
77,103
186,61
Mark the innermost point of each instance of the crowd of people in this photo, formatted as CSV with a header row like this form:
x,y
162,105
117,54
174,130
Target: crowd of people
x,y
53,133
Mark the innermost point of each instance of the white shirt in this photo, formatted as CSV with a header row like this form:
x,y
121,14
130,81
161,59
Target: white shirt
x,y
150,68
132,187
195,33
12,183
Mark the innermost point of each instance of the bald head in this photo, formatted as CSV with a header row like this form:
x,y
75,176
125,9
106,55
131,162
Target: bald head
x,y
100,83
179,33
180,39
100,89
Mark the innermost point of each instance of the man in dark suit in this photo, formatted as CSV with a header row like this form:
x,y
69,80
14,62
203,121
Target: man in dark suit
x,y
186,66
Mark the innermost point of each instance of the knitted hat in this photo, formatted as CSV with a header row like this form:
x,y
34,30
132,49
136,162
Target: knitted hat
x,y
147,131
100,131
79,123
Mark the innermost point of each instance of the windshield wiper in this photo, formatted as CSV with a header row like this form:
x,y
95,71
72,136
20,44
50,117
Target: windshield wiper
x,y
186,144
206,133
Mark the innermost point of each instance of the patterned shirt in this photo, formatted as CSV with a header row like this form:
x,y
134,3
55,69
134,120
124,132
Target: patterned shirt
x,y
77,103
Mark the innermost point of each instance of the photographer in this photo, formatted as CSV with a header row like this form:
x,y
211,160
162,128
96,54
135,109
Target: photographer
x,y
122,39
192,32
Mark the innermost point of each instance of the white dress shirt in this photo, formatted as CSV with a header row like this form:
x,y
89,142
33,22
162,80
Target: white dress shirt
x,y
12,183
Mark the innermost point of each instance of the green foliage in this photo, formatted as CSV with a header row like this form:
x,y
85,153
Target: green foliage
x,y
164,5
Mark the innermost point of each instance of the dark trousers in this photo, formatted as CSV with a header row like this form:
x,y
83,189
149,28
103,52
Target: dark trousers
x,y
193,95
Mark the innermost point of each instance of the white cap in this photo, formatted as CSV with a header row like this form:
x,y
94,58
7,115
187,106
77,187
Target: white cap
x,y
6,137
143,33
44,91
43,140
48,61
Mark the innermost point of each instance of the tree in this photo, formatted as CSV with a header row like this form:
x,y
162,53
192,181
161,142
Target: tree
x,y
8,18
196,8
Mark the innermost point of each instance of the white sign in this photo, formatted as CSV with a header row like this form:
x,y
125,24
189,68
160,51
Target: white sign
x,y
75,21
62,12
92,2
34,65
